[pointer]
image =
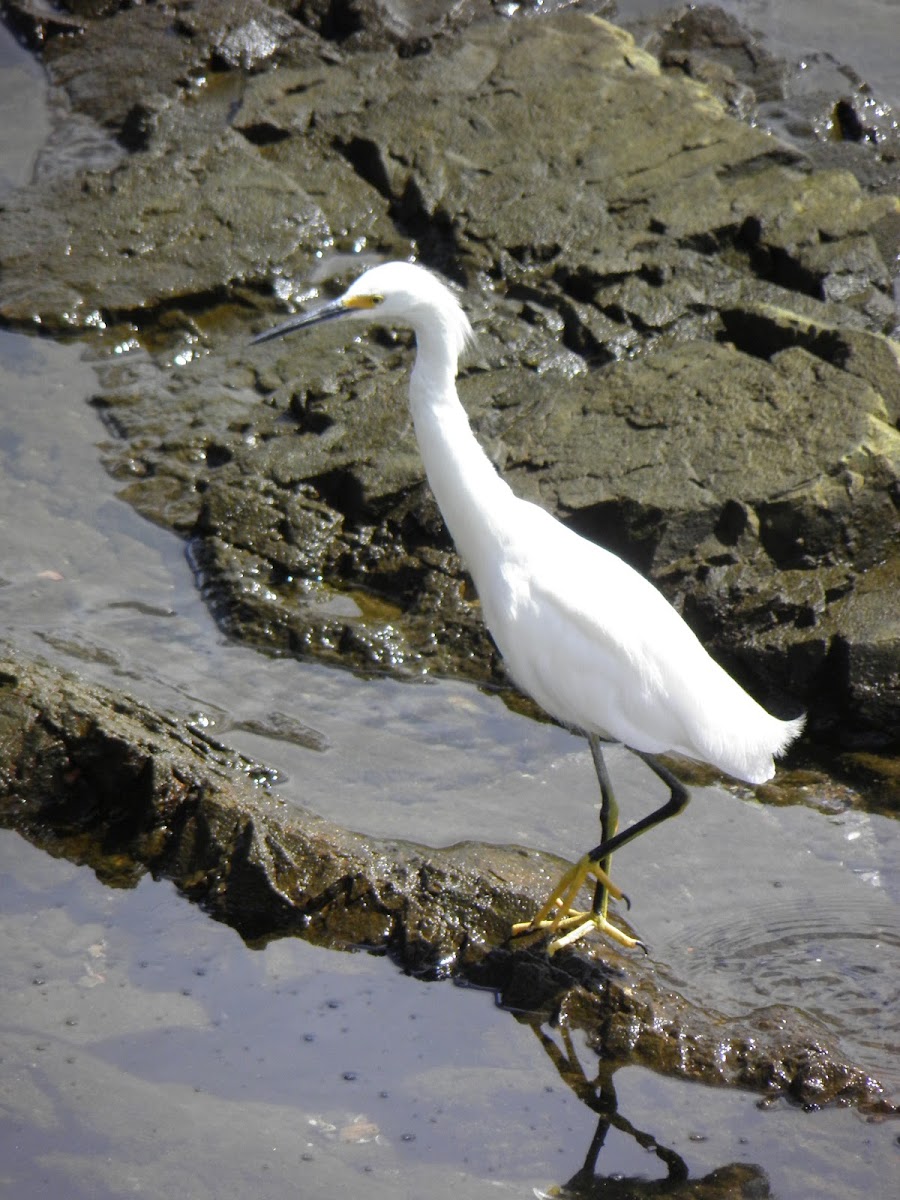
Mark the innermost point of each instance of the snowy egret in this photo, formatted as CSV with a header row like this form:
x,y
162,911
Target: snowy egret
x,y
591,640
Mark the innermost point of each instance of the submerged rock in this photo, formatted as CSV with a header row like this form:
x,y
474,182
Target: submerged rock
x,y
102,779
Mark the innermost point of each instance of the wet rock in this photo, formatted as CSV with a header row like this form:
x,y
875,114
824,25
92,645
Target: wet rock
x,y
374,24
103,779
714,48
684,330
878,774
36,23
818,103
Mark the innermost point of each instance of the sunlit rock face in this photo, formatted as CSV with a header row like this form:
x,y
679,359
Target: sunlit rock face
x,y
684,325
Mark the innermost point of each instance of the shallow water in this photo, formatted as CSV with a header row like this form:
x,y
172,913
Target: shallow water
x,y
138,1037
147,1049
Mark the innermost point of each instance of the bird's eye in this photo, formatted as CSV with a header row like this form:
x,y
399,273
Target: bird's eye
x,y
365,300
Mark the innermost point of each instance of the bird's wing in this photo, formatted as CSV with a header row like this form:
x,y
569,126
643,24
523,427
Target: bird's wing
x,y
600,594
600,647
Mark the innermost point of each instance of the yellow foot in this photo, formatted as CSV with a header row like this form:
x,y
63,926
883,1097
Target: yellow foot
x,y
575,922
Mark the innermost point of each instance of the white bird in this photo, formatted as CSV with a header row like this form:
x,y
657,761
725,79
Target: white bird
x,y
591,640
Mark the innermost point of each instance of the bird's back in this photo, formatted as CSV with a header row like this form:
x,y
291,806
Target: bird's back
x,y
603,651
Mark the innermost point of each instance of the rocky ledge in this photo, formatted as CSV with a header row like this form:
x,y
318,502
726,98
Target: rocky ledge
x,y
103,780
685,325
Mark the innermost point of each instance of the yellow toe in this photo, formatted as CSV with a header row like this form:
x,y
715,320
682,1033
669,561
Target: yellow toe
x,y
574,923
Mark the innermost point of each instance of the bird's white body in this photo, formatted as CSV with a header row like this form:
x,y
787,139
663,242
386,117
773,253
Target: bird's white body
x,y
591,640
586,636
602,651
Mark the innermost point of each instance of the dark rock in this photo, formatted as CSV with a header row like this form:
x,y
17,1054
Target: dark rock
x,y
102,779
684,330
37,23
714,48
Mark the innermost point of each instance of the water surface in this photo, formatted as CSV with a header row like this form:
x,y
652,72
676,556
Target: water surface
x,y
147,1049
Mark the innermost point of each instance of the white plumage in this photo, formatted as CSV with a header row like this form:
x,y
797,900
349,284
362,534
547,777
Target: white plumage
x,y
591,640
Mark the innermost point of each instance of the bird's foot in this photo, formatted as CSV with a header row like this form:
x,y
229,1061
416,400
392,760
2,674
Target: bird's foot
x,y
581,923
570,922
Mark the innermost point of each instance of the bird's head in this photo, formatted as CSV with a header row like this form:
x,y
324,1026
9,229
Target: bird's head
x,y
394,293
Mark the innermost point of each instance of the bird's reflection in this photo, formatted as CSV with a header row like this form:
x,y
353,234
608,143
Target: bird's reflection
x,y
735,1181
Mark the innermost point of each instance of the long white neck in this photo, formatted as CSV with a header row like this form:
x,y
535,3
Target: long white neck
x,y
472,497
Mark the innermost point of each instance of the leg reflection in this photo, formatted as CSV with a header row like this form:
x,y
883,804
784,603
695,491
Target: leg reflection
x,y
734,1181
599,1095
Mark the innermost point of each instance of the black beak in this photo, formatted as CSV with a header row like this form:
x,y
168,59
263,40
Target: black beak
x,y
325,312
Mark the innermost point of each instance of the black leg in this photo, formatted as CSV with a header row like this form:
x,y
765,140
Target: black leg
x,y
676,803
569,924
609,819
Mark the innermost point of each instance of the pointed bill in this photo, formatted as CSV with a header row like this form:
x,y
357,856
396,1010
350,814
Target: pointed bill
x,y
324,312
